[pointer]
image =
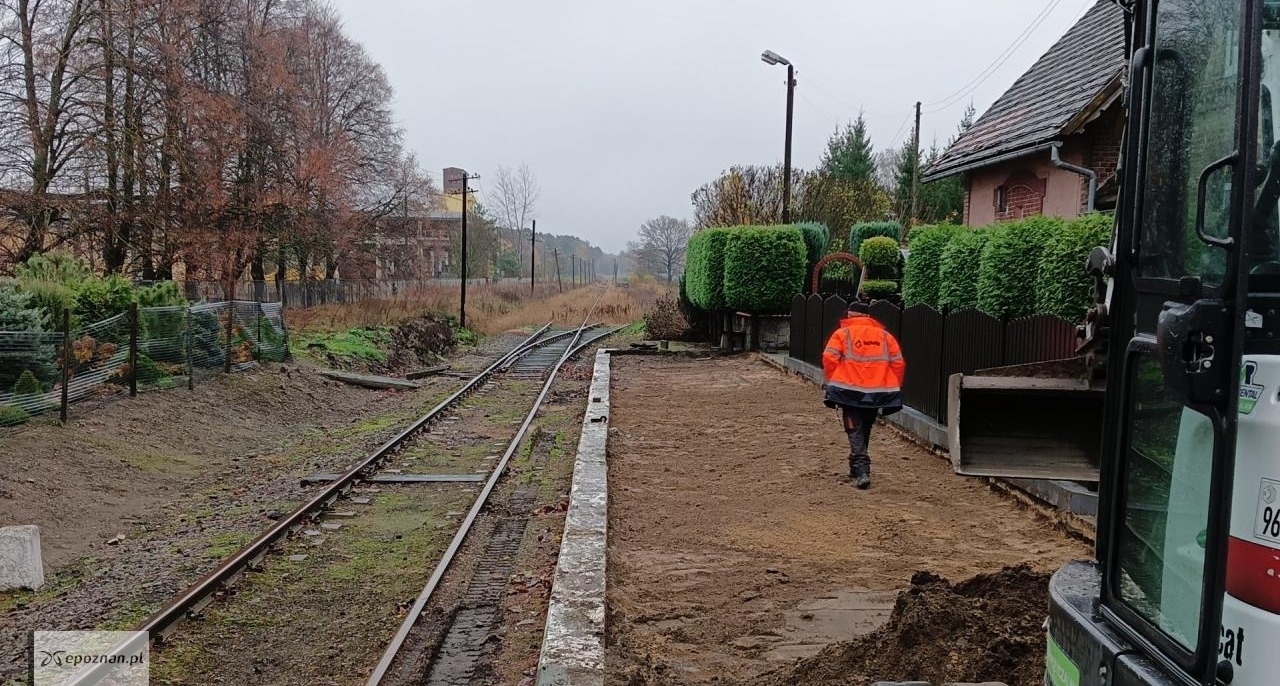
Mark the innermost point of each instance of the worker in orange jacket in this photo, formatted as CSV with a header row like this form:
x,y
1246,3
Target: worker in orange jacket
x,y
864,369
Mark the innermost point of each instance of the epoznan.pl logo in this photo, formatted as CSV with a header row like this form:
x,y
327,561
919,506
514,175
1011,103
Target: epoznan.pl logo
x,y
67,658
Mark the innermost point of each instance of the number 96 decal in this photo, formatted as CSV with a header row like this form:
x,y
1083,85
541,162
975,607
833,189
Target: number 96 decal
x,y
1267,526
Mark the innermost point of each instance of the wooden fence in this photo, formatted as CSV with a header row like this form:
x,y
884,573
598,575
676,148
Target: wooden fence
x,y
937,345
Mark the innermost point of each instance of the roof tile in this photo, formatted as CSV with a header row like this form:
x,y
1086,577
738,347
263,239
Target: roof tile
x,y
1044,100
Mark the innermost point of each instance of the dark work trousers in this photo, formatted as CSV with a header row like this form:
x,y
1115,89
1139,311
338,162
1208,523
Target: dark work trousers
x,y
857,424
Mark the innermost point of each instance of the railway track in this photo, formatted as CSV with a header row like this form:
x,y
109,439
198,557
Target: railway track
x,y
459,654
541,355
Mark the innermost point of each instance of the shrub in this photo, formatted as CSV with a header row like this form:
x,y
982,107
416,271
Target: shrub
x,y
881,256
52,280
694,315
664,321
861,232
207,349
32,349
149,371
1007,272
816,239
763,269
27,384
704,267
1062,285
161,330
273,345
879,289
958,277
922,275
11,415
99,299
162,294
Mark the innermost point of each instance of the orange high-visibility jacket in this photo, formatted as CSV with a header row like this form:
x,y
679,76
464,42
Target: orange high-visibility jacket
x,y
864,366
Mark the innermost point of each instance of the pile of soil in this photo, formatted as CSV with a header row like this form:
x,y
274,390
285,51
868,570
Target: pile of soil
x,y
420,340
989,628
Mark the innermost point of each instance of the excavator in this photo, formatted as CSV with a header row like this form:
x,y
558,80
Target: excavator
x,y
1185,589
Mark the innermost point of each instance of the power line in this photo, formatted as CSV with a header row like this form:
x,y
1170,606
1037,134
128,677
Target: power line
x,y
1000,61
819,110
901,128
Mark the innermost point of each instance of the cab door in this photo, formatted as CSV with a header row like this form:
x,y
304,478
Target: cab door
x,y
1170,439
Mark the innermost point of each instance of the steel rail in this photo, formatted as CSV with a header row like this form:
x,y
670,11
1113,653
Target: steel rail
x,y
415,611
200,594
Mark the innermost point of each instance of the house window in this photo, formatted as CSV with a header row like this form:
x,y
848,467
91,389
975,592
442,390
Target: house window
x,y
1002,200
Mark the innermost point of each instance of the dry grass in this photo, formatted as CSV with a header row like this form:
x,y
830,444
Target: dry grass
x,y
491,309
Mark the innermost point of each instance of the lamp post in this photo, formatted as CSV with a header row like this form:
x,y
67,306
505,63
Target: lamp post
x,y
771,57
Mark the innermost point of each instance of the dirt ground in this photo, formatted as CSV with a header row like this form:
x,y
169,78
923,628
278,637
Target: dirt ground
x,y
737,544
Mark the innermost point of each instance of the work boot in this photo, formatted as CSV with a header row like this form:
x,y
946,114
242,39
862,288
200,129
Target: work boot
x,y
853,469
863,482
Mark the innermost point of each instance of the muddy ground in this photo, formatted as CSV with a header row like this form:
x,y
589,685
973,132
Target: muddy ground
x,y
136,498
737,544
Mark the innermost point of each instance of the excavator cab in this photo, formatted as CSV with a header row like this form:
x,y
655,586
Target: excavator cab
x,y
1186,587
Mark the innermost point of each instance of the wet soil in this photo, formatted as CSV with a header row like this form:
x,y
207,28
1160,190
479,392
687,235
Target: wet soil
x,y
737,544
987,628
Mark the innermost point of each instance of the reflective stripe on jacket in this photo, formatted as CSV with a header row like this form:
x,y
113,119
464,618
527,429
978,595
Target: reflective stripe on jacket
x,y
863,366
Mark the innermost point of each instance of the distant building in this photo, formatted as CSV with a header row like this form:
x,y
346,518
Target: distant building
x,y
412,247
451,195
1070,99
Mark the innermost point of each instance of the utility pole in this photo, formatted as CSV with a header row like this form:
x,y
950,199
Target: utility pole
x,y
573,271
556,252
462,303
615,271
533,253
915,179
786,155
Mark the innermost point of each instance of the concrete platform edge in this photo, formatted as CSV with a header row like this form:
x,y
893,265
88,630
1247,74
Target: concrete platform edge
x,y
573,641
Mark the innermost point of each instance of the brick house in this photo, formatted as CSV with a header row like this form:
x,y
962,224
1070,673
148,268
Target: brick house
x,y
1071,102
413,247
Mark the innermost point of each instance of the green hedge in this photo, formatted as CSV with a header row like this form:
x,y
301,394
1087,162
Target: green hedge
x,y
1010,262
881,256
816,238
1062,285
763,268
922,275
958,270
861,232
879,289
704,269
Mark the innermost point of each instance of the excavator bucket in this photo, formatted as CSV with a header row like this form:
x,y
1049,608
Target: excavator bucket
x,y
1038,421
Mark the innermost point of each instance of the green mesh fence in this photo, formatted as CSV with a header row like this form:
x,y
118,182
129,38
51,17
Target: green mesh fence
x,y
176,346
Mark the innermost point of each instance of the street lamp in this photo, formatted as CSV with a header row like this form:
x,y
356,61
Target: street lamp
x,y
771,57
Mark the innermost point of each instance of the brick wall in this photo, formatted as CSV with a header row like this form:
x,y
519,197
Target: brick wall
x,y
1021,201
1102,138
1021,195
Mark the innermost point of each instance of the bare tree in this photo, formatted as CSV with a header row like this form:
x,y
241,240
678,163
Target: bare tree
x,y
514,194
660,249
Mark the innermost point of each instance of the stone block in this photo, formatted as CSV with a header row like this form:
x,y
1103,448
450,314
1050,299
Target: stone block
x,y
20,563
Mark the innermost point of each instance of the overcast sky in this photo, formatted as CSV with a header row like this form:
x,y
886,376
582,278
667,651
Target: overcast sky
x,y
623,107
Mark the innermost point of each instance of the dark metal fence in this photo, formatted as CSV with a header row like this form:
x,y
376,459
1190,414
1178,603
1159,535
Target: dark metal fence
x,y
937,345
313,292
